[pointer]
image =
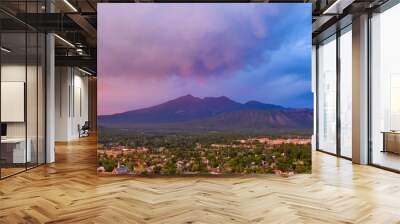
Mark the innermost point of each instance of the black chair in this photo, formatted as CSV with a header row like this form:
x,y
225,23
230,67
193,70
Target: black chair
x,y
84,130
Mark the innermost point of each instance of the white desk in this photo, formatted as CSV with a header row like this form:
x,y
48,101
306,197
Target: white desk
x,y
19,154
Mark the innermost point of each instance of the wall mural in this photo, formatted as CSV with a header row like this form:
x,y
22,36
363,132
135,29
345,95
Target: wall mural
x,y
188,89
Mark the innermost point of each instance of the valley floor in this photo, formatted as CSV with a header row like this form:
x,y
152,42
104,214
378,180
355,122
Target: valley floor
x,y
69,191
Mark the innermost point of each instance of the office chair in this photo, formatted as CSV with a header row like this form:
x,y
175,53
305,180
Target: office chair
x,y
84,130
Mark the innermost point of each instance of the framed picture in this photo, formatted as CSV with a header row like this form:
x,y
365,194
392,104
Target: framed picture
x,y
188,89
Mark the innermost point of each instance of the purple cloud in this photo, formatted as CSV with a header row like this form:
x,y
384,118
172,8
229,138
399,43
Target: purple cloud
x,y
150,53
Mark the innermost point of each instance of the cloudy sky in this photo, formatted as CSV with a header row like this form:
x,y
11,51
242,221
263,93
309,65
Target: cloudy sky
x,y
152,53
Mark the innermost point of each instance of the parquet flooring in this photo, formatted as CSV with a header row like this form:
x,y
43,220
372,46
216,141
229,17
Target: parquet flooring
x,y
69,191
11,170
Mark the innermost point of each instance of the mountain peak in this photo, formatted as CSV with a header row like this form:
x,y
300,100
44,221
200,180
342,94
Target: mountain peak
x,y
252,104
217,98
186,98
189,96
223,98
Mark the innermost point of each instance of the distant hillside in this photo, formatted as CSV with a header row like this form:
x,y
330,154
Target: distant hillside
x,y
210,113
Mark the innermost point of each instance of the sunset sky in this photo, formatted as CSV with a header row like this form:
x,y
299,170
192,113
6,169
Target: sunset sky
x,y
152,53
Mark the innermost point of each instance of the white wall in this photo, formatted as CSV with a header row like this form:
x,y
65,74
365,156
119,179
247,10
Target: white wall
x,y
71,102
62,82
80,110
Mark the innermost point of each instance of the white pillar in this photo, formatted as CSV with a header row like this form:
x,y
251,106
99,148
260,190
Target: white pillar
x,y
360,89
50,99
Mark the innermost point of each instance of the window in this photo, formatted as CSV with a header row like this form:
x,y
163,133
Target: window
x,y
346,92
327,95
385,89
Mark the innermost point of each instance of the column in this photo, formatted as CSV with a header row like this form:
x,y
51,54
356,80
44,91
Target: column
x,y
360,90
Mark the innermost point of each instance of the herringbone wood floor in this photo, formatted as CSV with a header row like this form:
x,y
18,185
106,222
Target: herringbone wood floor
x,y
70,192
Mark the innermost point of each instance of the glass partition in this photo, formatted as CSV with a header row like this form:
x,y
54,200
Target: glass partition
x,y
22,88
14,153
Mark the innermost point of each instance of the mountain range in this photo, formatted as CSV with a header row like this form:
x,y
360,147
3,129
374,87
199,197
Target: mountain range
x,y
210,113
